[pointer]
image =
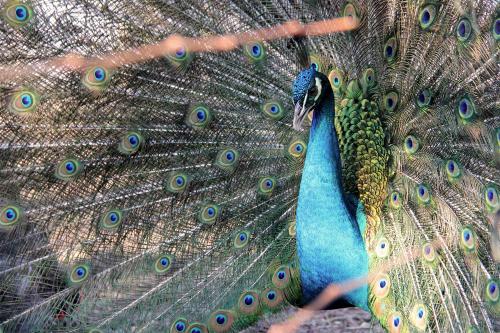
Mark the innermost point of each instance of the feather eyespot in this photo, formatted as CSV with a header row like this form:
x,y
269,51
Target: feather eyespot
x,y
383,248
209,213
79,273
464,30
273,109
391,49
391,100
177,182
266,186
428,252
10,215
282,277
336,78
296,149
495,28
24,101
199,116
427,16
411,145
381,286
466,109
96,78
424,98
111,219
68,169
227,159
491,198
249,302
255,52
18,14
179,326
492,292
197,328
241,239
272,297
423,194
221,321
468,240
163,263
395,200
395,322
350,10
418,316
453,170
130,143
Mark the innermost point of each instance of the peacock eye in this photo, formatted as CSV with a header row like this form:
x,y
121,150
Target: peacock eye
x,y
464,30
163,263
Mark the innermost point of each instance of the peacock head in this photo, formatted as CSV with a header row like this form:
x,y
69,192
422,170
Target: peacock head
x,y
309,89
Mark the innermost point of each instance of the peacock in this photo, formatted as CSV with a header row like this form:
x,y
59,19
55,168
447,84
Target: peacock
x,y
195,192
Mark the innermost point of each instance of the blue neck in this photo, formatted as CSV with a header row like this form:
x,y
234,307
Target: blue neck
x,y
330,246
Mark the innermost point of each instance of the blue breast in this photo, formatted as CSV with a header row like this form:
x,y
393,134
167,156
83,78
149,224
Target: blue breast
x,y
329,242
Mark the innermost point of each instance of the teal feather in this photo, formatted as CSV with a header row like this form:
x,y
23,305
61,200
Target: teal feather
x,y
98,233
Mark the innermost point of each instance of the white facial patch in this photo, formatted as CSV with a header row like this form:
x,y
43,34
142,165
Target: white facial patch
x,y
318,85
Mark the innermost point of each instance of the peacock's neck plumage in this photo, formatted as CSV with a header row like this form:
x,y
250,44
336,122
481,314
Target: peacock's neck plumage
x,y
330,245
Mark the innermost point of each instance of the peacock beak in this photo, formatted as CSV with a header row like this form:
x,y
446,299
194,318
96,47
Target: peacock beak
x,y
300,113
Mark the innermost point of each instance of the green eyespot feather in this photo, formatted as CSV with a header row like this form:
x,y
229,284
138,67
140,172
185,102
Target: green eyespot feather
x,y
273,109
180,59
391,50
199,116
424,98
463,30
395,200
266,186
492,294
491,198
96,78
336,77
427,16
423,194
282,277
177,182
111,219
429,253
241,239
24,101
368,79
163,263
468,240
466,109
411,145
383,248
79,273
18,13
418,316
68,169
316,62
255,52
381,286
197,328
453,170
272,297
391,100
296,149
221,321
495,28
10,215
180,325
350,10
249,302
227,159
130,143
209,213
